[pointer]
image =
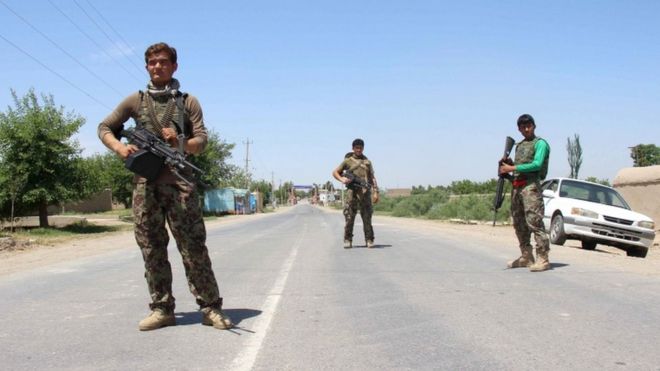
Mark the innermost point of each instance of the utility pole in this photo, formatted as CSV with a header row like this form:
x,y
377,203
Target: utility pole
x,y
272,187
247,162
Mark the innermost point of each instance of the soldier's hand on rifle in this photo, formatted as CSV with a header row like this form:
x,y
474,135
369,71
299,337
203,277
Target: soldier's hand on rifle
x,y
506,160
169,134
506,168
506,165
125,150
345,180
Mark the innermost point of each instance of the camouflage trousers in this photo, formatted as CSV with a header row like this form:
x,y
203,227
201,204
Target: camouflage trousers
x,y
358,200
178,204
527,212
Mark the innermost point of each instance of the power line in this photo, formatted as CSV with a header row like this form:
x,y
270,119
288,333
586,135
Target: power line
x,y
93,41
108,36
61,49
55,73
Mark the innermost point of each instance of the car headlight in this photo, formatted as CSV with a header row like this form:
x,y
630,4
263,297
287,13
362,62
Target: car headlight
x,y
646,224
584,212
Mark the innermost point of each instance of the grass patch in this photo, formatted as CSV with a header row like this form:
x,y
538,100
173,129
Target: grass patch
x,y
53,234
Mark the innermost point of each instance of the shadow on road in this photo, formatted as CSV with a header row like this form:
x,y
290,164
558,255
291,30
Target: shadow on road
x,y
558,265
598,250
236,315
376,246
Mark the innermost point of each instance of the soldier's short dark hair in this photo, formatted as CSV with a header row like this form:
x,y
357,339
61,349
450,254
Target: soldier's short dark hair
x,y
358,142
526,119
160,47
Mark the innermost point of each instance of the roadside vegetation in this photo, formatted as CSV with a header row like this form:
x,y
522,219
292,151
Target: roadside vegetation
x,y
464,200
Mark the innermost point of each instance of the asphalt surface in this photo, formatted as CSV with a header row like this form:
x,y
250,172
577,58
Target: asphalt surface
x,y
420,300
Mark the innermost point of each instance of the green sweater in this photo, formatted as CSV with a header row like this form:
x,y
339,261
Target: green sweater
x,y
541,150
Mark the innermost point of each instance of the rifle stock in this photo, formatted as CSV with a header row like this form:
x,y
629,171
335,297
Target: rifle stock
x,y
499,193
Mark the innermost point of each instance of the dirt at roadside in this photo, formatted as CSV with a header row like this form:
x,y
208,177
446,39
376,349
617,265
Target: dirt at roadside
x,y
25,255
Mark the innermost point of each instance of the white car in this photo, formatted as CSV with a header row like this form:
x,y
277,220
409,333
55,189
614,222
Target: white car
x,y
594,213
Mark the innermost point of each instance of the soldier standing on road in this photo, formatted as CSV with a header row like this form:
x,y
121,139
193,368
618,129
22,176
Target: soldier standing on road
x,y
358,197
165,111
529,169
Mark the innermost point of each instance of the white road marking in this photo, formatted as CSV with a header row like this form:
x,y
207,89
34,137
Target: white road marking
x,y
248,356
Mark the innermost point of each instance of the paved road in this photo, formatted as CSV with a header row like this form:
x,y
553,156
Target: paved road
x,y
420,300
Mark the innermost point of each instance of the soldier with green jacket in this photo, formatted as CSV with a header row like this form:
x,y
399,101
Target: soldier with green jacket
x,y
177,119
529,168
357,172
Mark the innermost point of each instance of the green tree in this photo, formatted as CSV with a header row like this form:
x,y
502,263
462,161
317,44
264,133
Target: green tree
x,y
645,155
593,179
39,135
464,187
282,193
574,155
236,178
13,179
264,187
213,161
108,171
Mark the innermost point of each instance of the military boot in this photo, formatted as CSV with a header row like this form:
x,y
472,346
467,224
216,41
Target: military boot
x,y
156,319
348,244
370,244
542,262
525,260
216,318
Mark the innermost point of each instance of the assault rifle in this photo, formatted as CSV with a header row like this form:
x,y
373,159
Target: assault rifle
x,y
499,193
153,154
356,180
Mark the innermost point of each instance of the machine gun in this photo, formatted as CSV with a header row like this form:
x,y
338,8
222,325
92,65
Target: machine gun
x,y
356,181
153,154
499,193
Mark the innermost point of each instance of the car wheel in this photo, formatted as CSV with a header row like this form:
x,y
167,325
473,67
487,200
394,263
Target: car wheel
x,y
588,245
638,252
557,235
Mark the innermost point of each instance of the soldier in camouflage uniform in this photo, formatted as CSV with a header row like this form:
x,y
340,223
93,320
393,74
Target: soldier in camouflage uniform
x,y
529,169
177,119
358,197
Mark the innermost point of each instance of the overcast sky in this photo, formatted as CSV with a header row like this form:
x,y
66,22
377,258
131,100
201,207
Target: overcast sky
x,y
433,87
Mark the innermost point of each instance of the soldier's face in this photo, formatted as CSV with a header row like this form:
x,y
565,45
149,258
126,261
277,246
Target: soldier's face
x,y
160,68
527,130
358,150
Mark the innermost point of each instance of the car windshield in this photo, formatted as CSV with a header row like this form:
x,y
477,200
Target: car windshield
x,y
592,193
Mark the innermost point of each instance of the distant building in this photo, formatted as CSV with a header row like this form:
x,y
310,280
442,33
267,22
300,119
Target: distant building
x,y
231,201
640,186
326,197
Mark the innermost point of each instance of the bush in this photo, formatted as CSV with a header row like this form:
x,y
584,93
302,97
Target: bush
x,y
469,201
386,204
420,204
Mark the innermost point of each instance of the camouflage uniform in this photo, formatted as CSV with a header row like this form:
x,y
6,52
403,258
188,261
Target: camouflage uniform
x,y
527,206
168,199
358,198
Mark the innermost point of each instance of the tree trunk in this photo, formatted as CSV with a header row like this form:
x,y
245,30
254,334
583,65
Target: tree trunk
x,y
13,200
43,215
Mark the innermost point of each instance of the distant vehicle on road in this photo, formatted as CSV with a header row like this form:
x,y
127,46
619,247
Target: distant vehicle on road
x,y
594,214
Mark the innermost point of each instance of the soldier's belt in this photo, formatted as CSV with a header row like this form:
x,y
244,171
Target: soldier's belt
x,y
519,183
